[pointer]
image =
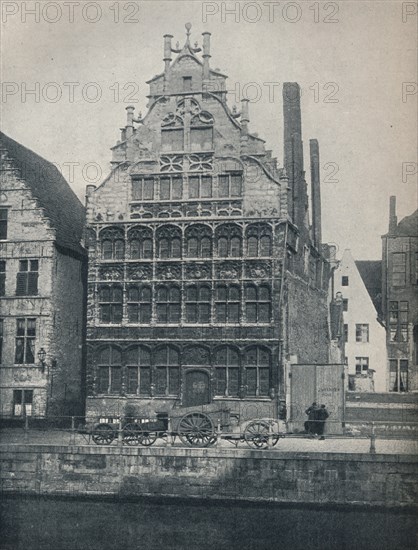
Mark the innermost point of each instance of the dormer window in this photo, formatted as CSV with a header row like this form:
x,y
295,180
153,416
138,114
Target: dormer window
x,y
187,83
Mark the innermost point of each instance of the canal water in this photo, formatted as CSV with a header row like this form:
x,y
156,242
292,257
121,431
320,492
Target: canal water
x,y
66,524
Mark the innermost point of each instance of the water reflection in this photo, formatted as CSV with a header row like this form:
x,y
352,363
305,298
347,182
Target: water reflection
x,y
58,524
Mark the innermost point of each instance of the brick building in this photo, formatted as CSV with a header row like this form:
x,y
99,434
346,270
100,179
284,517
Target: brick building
x,y
42,287
400,299
205,277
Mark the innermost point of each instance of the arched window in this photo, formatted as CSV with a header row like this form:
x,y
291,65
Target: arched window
x,y
138,364
227,372
110,303
172,133
167,371
109,370
169,242
201,132
168,304
228,304
198,300
259,240
235,248
199,241
140,243
252,246
112,243
222,247
229,241
257,304
139,304
257,364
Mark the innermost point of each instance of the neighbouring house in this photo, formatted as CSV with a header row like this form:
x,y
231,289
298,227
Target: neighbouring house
x,y
400,299
363,330
42,287
206,279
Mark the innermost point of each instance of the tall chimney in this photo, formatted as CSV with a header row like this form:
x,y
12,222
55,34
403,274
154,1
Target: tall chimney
x,y
316,193
167,50
293,151
245,114
206,54
129,121
393,220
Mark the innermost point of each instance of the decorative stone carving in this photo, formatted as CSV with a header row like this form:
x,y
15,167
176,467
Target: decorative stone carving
x,y
168,272
229,270
198,271
172,120
258,270
200,162
171,163
21,375
259,230
111,273
112,233
140,233
137,272
228,230
202,118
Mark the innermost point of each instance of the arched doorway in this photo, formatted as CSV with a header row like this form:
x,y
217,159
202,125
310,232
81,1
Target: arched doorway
x,y
196,388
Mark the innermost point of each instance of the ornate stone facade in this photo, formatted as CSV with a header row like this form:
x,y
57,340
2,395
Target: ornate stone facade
x,y
193,255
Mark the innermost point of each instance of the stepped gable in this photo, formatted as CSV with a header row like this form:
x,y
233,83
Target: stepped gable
x,y
62,207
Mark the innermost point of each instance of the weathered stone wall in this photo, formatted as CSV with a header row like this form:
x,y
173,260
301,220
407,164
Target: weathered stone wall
x,y
306,328
29,237
67,336
56,307
384,480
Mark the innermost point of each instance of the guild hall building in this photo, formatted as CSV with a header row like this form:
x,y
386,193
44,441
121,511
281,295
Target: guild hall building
x,y
206,278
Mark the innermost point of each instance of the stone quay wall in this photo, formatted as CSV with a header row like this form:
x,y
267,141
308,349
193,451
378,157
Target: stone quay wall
x,y
233,474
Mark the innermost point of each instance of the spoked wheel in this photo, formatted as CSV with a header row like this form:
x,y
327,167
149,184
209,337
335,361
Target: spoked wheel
x,y
197,430
147,437
131,434
256,435
103,434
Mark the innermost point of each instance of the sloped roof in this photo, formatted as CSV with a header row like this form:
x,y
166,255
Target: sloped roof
x,y
371,273
408,226
62,207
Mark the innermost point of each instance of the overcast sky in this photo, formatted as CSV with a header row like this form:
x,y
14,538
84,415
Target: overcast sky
x,y
353,61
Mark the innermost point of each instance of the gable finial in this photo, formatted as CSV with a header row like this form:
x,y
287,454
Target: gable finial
x,y
188,27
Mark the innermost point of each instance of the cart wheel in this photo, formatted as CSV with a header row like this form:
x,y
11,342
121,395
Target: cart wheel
x,y
103,434
131,434
256,435
147,437
197,430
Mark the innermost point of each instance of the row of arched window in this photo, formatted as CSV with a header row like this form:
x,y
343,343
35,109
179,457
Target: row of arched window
x,y
223,304
199,242
145,372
